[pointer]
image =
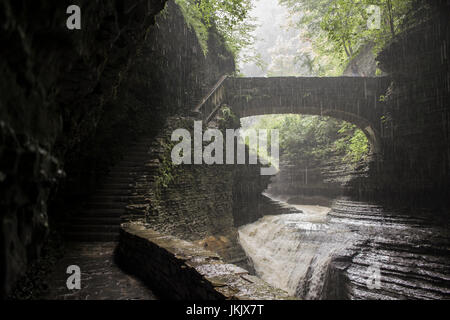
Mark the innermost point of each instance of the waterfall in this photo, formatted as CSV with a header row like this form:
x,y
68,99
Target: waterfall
x,y
409,248
293,251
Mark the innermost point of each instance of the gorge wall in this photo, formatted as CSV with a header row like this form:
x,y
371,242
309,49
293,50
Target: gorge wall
x,y
55,91
414,163
72,100
318,184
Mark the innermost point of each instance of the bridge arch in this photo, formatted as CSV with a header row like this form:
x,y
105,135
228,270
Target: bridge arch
x,y
356,100
364,126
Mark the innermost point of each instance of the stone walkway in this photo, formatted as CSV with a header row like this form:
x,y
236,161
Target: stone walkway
x,y
101,278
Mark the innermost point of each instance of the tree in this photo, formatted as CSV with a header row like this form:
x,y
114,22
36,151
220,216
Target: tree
x,y
312,140
230,18
337,29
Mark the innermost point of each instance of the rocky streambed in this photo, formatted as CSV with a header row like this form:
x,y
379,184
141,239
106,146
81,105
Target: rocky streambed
x,y
353,250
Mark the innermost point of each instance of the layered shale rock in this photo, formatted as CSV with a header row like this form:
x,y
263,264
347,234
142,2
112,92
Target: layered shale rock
x,y
410,249
414,163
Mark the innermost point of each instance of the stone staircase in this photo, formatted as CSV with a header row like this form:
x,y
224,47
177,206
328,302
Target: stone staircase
x,y
198,98
124,194
101,216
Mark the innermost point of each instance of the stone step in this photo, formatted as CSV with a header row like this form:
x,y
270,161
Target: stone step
x,y
102,213
128,170
143,148
106,198
95,221
83,228
106,205
113,192
91,236
137,155
137,202
115,186
133,160
136,159
100,220
130,164
120,180
145,140
137,199
123,174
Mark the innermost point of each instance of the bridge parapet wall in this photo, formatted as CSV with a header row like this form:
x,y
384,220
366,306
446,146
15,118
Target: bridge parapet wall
x,y
353,99
358,100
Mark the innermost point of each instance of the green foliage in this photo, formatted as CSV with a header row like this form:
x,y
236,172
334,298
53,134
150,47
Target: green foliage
x,y
230,18
352,143
194,19
337,29
167,171
227,119
309,140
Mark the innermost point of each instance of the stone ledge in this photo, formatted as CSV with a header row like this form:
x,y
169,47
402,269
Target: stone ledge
x,y
179,270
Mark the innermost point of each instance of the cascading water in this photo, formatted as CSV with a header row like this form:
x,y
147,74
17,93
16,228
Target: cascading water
x,y
294,252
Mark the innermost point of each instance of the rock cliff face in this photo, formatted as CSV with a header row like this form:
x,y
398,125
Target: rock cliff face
x,y
414,164
72,99
27,174
410,246
319,184
413,161
55,90
357,251
363,64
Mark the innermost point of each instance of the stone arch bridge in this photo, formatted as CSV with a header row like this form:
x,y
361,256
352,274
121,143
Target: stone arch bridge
x,y
358,100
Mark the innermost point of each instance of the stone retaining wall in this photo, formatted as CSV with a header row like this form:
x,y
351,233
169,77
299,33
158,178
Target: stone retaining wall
x,y
179,270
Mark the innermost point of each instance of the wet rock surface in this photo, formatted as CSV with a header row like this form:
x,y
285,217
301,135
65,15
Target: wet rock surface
x,y
320,255
410,247
181,270
27,175
54,95
101,278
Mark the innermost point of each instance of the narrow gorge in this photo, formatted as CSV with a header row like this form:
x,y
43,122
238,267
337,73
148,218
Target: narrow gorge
x,y
88,123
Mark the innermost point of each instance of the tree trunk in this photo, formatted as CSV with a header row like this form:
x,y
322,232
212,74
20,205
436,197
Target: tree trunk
x,y
390,17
